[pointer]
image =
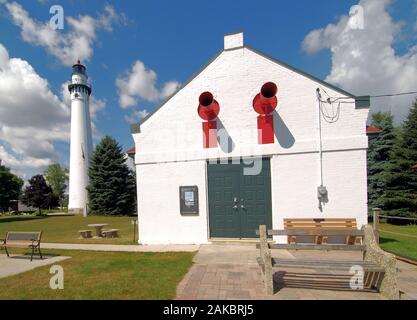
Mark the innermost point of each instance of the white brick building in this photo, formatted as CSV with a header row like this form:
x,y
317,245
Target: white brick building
x,y
170,153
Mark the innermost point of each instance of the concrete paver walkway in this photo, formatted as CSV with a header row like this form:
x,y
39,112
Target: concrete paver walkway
x,y
121,248
18,263
407,280
231,272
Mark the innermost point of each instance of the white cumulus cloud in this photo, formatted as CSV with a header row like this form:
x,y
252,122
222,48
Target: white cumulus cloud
x,y
136,116
32,118
364,60
66,46
139,83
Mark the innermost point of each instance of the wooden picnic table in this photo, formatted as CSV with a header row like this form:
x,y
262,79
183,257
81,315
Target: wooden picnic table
x,y
99,228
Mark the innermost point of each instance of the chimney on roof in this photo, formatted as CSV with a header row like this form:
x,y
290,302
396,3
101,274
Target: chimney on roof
x,y
233,40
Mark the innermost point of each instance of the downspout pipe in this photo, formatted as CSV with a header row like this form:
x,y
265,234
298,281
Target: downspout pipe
x,y
320,135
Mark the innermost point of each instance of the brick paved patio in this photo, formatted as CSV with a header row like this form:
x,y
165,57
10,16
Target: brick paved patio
x,y
231,272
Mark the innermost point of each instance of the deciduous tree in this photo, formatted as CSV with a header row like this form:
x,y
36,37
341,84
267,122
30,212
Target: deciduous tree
x,y
10,187
38,194
57,178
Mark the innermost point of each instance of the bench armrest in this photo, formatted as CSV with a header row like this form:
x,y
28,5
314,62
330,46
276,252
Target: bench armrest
x,y
373,253
35,241
3,241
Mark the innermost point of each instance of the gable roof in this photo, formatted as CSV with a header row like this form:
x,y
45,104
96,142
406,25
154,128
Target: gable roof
x,y
360,101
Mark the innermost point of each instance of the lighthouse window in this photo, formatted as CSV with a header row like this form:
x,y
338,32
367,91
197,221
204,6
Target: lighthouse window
x,y
78,69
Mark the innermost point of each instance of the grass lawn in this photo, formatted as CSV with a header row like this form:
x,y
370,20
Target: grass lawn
x,y
65,229
405,246
103,275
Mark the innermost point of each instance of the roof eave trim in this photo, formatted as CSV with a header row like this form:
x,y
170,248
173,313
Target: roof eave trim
x,y
310,76
135,128
362,102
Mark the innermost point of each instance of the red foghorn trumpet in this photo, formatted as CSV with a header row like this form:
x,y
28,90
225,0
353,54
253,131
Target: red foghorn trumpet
x,y
265,103
208,110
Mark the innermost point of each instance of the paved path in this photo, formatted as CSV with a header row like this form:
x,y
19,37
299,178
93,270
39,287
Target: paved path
x,y
231,272
21,263
121,248
407,280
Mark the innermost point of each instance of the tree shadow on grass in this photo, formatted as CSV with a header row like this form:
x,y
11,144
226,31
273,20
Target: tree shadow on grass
x,y
386,240
16,219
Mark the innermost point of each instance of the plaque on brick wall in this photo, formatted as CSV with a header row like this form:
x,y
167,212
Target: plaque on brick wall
x,y
189,200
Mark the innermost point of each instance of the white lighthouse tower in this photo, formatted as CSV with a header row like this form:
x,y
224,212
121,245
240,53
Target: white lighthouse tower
x,y
81,141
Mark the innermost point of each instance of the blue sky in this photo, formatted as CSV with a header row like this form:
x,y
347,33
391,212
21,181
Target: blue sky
x,y
175,38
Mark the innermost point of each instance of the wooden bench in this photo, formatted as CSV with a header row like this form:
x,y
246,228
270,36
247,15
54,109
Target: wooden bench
x,y
319,224
110,233
85,234
375,265
31,240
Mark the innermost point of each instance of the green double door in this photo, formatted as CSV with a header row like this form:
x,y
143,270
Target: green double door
x,y
238,202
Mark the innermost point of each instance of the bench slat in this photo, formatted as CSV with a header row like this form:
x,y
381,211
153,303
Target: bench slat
x,y
307,246
316,232
23,236
317,247
313,225
326,264
320,220
24,244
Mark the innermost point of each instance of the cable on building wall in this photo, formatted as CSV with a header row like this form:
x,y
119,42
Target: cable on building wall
x,y
329,116
334,99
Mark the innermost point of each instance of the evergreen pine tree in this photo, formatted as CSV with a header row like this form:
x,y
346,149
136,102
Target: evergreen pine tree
x,y
400,197
112,187
378,157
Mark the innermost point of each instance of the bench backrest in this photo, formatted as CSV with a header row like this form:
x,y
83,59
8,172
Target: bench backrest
x,y
321,224
23,236
327,223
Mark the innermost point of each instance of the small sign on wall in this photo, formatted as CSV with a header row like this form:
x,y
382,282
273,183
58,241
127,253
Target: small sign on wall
x,y
189,200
